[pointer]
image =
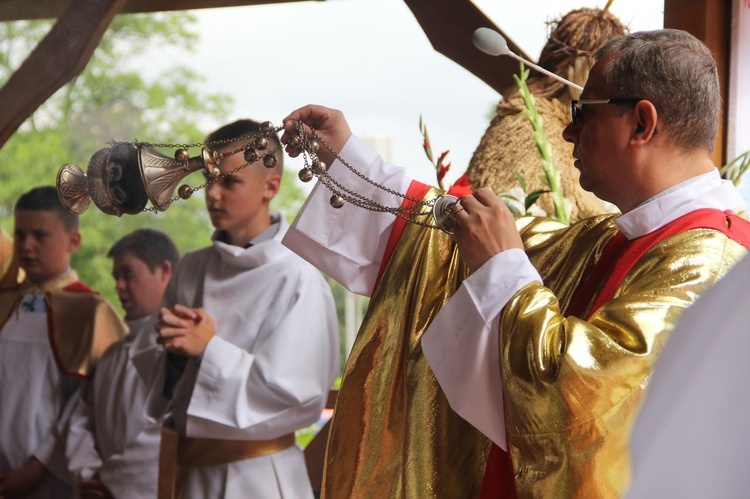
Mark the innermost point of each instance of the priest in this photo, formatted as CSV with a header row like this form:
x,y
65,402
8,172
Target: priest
x,y
542,337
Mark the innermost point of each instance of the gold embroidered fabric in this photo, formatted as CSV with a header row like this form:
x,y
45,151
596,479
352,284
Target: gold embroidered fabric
x,y
393,434
573,388
84,325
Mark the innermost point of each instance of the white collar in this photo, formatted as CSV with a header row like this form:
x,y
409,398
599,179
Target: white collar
x,y
258,254
708,190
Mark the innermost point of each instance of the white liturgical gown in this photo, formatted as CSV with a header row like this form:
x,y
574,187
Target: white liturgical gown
x,y
33,392
108,433
691,438
265,374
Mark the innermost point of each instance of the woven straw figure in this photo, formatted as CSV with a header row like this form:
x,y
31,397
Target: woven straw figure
x,y
507,146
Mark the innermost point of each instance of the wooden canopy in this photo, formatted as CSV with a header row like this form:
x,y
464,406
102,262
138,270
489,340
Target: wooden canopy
x,y
16,10
447,23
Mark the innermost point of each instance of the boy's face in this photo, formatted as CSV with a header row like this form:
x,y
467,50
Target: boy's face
x,y
140,291
238,204
43,245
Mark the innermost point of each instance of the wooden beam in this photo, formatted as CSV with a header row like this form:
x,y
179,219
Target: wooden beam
x,y
709,21
58,58
449,25
14,10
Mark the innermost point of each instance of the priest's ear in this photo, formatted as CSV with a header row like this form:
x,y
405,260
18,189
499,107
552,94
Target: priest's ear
x,y
646,118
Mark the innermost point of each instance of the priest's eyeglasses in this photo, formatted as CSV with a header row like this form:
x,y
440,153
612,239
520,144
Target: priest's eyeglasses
x,y
576,106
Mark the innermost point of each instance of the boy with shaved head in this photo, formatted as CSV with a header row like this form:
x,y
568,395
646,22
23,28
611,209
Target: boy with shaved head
x,y
251,336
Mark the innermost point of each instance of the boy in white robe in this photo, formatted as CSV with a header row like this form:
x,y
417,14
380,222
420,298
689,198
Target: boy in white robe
x,y
54,328
253,344
111,448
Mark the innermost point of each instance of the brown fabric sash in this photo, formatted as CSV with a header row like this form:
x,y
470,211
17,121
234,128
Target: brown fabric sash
x,y
178,453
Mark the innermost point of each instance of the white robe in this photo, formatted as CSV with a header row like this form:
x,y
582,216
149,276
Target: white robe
x,y
692,438
107,433
461,344
33,393
266,373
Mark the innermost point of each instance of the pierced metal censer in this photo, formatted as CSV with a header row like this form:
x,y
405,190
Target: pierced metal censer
x,y
126,176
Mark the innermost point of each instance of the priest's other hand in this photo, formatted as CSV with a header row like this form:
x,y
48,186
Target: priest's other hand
x,y
330,125
485,227
185,331
21,482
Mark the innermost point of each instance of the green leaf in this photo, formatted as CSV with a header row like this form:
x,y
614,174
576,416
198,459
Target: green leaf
x,y
521,181
532,197
516,212
505,195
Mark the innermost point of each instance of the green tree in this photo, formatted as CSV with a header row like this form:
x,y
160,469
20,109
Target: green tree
x,y
115,98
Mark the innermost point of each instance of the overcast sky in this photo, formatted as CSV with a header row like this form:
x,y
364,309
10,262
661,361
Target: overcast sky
x,y
371,59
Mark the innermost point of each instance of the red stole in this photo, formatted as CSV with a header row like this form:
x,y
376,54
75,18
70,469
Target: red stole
x,y
620,255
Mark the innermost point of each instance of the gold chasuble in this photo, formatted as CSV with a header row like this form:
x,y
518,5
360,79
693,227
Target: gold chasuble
x,y
572,388
393,434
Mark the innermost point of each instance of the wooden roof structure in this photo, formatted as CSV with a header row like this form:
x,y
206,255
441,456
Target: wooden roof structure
x,y
65,51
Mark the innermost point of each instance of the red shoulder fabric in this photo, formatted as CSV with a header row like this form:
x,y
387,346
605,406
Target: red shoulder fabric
x,y
79,287
620,262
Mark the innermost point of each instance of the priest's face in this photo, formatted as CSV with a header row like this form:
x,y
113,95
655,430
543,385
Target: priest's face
x,y
600,137
139,288
43,244
238,203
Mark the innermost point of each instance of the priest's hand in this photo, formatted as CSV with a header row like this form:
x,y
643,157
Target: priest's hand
x,y
21,482
94,489
185,331
330,125
485,227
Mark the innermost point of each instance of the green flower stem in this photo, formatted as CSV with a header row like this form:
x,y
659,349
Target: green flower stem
x,y
735,169
552,176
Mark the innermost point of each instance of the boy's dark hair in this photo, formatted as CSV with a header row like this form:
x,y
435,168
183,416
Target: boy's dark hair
x,y
242,128
45,198
148,245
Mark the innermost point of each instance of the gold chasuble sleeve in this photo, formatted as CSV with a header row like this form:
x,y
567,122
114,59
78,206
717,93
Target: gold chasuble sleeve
x,y
572,388
393,434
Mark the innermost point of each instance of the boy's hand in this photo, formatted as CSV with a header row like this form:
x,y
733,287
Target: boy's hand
x,y
185,331
21,482
94,489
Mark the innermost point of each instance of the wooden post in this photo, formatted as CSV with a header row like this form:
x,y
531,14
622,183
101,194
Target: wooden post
x,y
58,58
709,21
450,24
